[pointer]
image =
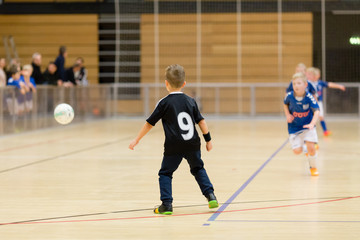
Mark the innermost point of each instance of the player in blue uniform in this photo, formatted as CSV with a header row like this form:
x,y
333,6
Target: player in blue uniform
x,y
20,91
310,88
301,68
302,112
179,114
313,74
15,79
30,86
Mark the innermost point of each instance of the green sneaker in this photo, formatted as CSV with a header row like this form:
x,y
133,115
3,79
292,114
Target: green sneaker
x,y
165,209
213,203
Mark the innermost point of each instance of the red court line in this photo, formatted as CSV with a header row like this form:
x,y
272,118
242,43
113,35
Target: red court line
x,y
294,205
181,215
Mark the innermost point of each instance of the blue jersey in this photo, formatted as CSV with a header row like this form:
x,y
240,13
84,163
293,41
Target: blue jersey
x,y
32,80
310,88
13,82
302,110
320,85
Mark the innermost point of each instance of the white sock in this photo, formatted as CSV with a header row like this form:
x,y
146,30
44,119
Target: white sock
x,y
312,160
305,148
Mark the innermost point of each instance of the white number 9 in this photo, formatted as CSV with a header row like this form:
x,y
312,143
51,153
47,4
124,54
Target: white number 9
x,y
189,126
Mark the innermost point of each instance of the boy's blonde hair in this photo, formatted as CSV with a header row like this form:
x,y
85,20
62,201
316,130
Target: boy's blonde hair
x,y
317,71
301,67
175,75
311,70
27,67
299,75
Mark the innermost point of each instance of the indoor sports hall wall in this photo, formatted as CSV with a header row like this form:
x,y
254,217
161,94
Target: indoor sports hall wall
x,y
219,45
239,55
45,33
220,48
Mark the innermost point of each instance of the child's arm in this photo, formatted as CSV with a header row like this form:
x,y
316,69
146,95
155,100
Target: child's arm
x,y
23,88
144,130
32,87
335,85
205,130
289,116
311,125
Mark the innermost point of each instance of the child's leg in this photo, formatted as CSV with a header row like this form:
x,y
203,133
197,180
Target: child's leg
x,y
168,167
321,115
198,171
297,143
323,124
322,120
311,148
298,151
310,140
312,158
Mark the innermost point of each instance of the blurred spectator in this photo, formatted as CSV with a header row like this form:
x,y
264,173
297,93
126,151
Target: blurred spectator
x,y
13,61
36,65
17,106
81,75
30,86
2,72
60,62
29,81
51,76
15,79
70,75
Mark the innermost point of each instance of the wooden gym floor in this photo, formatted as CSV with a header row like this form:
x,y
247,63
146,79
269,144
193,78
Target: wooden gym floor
x,y
82,182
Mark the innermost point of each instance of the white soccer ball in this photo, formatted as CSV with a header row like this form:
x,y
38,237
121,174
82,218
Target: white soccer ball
x,y
64,113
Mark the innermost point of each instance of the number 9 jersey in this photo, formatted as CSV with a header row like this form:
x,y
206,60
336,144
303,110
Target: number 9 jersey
x,y
178,113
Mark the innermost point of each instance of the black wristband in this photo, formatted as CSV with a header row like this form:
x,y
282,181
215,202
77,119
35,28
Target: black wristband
x,y
207,137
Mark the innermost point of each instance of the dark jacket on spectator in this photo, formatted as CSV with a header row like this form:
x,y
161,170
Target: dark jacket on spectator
x,y
36,74
60,63
51,79
69,76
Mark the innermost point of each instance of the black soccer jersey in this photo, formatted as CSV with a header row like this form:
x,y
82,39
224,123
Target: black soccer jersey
x,y
178,113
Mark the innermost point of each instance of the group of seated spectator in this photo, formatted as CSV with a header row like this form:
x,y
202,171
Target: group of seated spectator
x,y
25,87
55,74
26,78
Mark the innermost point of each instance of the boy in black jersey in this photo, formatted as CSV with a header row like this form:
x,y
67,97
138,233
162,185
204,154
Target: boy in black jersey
x,y
179,113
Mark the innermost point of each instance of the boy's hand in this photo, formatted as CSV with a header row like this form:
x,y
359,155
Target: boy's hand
x,y
145,129
209,146
289,118
133,144
342,88
309,126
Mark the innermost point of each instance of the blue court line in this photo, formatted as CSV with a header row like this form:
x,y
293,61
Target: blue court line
x,y
229,201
